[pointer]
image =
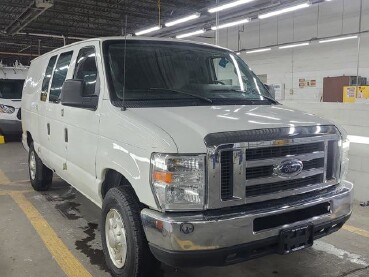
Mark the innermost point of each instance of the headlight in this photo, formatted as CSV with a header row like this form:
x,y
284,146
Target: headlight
x,y
178,181
344,145
6,109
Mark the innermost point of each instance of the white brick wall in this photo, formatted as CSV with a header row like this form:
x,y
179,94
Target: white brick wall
x,y
313,62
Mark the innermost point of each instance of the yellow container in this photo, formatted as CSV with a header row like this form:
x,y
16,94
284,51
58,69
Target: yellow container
x,y
349,94
2,140
363,92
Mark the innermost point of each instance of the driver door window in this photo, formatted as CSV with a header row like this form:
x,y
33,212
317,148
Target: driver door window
x,y
86,70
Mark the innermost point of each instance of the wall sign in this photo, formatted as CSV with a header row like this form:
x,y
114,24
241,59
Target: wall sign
x,y
307,83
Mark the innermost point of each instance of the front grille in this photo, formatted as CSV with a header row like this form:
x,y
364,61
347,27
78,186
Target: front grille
x,y
256,171
275,151
283,186
227,175
267,171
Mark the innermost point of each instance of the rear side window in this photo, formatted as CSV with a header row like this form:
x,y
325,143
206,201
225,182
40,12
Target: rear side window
x,y
86,69
48,73
60,73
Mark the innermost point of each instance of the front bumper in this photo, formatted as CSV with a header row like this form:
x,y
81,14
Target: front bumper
x,y
10,127
228,236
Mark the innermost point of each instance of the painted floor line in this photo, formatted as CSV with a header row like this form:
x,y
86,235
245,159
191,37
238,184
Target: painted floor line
x,y
65,259
15,183
340,253
3,179
8,192
356,230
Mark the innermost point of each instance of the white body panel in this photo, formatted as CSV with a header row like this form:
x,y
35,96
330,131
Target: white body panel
x,y
124,141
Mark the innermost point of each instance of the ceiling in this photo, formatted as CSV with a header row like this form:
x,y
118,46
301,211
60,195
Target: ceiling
x,y
82,19
29,28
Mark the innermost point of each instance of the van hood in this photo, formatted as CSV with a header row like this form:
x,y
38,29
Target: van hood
x,y
189,125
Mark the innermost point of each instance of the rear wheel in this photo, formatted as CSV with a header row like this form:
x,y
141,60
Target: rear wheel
x,y
125,247
40,176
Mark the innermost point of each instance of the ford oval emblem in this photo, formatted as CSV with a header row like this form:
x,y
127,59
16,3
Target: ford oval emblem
x,y
289,168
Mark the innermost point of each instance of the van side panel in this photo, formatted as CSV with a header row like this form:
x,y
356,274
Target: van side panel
x,y
30,102
126,143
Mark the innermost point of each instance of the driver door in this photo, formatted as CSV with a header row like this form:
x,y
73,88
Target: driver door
x,y
82,124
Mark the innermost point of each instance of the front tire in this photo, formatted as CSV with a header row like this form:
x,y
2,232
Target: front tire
x,y
40,176
125,247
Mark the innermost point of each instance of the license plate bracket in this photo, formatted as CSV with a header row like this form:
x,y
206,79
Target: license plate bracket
x,y
297,238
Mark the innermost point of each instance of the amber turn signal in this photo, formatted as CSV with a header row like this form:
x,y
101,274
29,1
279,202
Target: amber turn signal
x,y
165,177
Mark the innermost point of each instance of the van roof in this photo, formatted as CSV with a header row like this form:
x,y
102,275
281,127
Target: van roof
x,y
101,39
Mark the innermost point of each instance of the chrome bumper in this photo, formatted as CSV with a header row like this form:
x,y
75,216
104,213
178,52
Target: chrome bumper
x,y
183,232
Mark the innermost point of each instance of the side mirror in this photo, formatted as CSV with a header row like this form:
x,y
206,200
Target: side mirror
x,y
72,95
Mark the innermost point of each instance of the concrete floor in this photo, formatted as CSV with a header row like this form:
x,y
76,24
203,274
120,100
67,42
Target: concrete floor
x,y
28,247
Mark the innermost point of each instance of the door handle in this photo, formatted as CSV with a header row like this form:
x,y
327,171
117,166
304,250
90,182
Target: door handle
x,y
48,128
65,134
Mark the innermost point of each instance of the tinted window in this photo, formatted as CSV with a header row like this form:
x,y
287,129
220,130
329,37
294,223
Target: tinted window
x,y
60,73
86,69
11,89
48,73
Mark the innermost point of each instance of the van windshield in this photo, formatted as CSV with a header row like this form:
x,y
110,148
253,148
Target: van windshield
x,y
178,73
11,89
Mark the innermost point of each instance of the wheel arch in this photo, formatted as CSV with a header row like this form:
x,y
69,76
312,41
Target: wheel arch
x,y
29,138
112,179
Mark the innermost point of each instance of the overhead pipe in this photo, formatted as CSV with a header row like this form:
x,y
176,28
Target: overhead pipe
x,y
53,36
18,54
23,44
33,11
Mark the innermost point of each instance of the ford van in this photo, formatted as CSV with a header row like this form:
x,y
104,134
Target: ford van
x,y
191,160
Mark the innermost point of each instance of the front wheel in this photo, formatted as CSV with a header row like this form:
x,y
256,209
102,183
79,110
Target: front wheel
x,y
40,176
125,247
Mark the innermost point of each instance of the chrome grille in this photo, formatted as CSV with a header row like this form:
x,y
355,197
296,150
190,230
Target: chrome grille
x,y
227,175
267,171
245,170
272,152
283,185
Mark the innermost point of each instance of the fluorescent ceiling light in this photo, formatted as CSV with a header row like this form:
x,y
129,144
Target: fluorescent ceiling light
x,y
198,32
231,24
285,10
228,5
146,31
258,50
294,45
182,20
337,39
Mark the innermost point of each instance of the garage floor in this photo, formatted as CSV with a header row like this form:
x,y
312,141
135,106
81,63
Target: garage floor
x,y
56,234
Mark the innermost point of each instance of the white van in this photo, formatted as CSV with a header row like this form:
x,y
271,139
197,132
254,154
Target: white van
x,y
191,160
11,85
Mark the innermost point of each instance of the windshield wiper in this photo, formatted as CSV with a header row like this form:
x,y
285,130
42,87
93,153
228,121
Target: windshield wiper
x,y
183,92
253,91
